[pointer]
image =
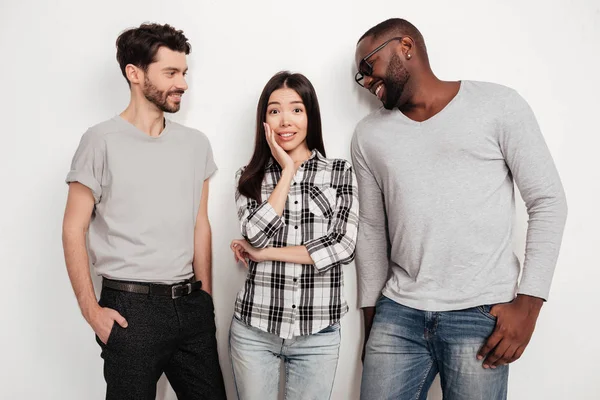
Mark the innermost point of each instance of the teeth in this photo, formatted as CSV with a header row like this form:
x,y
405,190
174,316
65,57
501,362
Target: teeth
x,y
286,135
378,89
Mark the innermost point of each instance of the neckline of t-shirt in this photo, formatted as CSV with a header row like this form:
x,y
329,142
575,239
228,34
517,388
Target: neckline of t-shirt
x,y
138,131
440,113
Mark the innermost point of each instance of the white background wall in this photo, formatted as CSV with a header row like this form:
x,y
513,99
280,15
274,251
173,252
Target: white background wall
x,y
58,76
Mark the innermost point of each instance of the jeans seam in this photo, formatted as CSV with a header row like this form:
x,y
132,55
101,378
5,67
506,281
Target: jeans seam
x,y
285,390
423,381
237,391
336,364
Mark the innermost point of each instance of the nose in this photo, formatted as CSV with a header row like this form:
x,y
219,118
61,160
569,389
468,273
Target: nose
x,y
181,83
284,121
368,81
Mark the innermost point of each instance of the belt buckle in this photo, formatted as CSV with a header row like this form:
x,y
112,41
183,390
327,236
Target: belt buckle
x,y
181,287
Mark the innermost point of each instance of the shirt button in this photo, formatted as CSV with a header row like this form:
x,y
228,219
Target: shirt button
x,y
295,279
296,202
293,306
296,227
294,184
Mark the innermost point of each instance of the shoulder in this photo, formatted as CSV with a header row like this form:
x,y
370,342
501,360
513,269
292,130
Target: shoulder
x,y
96,134
335,164
192,134
369,122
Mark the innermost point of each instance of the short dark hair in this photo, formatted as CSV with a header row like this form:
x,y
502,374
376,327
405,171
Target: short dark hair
x,y
397,26
138,46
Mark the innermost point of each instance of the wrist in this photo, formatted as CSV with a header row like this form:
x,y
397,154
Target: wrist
x,y
89,311
531,302
264,254
288,173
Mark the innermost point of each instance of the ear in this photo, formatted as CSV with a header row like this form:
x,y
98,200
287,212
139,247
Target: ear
x,y
407,47
134,74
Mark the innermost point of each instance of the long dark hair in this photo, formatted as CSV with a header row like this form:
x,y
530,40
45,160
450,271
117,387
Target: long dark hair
x,y
252,177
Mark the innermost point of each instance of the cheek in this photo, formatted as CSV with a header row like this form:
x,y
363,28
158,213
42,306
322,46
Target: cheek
x,y
272,120
301,122
302,126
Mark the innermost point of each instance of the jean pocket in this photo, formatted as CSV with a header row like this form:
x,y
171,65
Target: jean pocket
x,y
331,328
485,310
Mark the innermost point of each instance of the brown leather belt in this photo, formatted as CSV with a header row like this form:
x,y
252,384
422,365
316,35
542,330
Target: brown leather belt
x,y
173,291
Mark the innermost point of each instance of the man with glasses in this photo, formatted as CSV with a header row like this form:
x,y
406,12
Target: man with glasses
x,y
138,189
438,280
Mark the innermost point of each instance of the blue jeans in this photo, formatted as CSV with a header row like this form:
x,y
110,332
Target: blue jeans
x,y
407,348
310,363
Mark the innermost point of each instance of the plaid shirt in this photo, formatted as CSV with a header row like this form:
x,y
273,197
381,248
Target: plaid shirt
x,y
321,213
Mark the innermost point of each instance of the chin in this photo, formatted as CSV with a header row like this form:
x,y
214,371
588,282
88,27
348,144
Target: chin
x,y
289,146
172,109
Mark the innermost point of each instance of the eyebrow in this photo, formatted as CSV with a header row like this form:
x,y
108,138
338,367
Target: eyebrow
x,y
174,69
278,103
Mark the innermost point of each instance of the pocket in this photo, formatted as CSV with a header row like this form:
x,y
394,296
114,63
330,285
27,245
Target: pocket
x,y
110,299
112,333
331,328
485,310
208,298
322,201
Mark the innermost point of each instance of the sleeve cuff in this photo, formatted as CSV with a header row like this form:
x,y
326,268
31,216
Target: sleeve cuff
x,y
88,181
210,170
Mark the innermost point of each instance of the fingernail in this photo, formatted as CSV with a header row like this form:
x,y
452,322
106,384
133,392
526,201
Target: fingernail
x,y
486,366
480,357
493,367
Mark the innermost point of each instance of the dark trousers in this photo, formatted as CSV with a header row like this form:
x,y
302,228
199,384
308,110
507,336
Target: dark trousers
x,y
174,336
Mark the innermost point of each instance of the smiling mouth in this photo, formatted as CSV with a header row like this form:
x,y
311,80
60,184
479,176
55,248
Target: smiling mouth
x,y
378,91
286,135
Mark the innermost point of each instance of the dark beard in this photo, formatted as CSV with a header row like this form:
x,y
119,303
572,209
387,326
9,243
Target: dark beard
x,y
158,98
396,77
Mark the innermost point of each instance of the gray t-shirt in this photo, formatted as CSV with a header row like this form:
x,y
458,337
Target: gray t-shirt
x,y
147,192
437,203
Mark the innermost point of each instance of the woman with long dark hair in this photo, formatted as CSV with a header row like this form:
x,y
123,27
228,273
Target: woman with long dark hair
x,y
299,218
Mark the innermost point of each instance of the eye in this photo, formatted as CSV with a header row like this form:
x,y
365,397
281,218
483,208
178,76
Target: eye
x,y
274,111
298,110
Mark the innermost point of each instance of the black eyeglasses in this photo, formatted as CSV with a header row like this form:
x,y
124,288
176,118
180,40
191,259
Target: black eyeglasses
x,y
364,67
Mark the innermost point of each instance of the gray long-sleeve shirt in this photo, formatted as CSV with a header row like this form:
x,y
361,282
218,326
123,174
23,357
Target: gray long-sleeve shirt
x,y
437,203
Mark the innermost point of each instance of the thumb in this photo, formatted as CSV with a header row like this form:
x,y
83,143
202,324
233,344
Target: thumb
x,y
120,320
494,310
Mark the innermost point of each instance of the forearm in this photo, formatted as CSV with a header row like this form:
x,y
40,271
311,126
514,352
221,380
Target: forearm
x,y
203,256
77,262
372,263
291,254
279,195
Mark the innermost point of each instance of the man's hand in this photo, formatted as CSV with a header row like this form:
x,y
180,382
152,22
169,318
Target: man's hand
x,y
368,316
102,319
515,322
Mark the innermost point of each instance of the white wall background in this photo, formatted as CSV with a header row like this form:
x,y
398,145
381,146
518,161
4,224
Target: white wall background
x,y
58,76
